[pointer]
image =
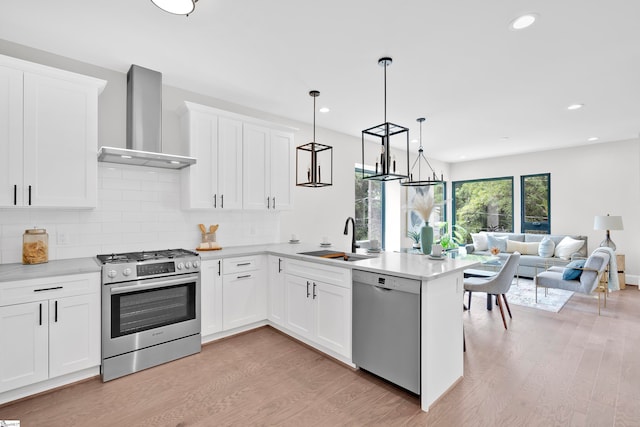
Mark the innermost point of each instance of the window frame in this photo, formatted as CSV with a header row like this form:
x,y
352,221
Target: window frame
x,y
539,227
364,171
454,186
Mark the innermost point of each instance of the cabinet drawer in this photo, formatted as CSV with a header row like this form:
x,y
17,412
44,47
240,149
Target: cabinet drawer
x,y
48,288
241,264
320,272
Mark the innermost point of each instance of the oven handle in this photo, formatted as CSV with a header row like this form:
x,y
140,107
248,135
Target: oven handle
x,y
154,285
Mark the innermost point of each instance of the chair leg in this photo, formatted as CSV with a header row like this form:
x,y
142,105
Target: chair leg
x,y
504,321
504,298
464,341
469,304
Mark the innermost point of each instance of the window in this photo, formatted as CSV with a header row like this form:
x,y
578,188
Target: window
x,y
483,204
369,208
438,214
535,209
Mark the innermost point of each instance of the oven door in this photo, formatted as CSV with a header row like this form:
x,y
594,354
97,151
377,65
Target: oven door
x,y
148,312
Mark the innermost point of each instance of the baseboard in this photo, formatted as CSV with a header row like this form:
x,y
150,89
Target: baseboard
x,y
633,279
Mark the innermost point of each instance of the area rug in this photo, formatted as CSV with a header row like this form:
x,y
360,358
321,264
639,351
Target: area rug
x,y
522,292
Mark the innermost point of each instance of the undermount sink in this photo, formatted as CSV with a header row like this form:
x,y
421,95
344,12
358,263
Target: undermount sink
x,y
337,255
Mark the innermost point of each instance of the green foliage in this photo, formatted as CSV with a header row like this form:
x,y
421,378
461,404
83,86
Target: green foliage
x,y
458,236
414,235
485,204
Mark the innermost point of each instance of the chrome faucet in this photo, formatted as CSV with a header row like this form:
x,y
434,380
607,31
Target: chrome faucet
x,y
353,235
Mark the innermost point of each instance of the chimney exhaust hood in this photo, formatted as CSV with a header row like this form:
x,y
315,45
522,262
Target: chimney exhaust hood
x,y
144,125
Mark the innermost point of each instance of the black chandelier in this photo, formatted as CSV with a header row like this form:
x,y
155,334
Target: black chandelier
x,y
316,160
385,163
424,176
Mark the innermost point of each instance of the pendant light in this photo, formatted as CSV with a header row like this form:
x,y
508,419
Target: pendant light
x,y
177,7
314,161
385,163
422,176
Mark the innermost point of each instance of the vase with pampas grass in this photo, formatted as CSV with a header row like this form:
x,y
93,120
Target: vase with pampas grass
x,y
422,205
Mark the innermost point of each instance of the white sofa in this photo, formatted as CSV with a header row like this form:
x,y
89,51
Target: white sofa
x,y
531,262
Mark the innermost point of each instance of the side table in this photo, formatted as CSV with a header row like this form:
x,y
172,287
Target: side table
x,y
621,267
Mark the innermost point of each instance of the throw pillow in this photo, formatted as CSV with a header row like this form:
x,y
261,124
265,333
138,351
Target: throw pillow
x,y
546,248
497,242
568,246
480,241
571,271
525,248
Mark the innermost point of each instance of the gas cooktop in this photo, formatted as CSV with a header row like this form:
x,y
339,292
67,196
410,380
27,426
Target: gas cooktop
x,y
129,257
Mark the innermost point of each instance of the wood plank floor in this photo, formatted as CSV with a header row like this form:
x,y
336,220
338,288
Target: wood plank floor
x,y
573,368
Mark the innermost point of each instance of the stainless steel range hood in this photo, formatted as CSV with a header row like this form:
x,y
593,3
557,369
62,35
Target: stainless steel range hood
x,y
144,125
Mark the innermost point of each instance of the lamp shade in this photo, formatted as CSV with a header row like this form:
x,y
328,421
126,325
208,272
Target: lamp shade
x,y
607,222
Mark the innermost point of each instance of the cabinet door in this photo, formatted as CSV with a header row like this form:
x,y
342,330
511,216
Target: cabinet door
x,y
200,181
299,305
281,152
276,309
255,186
74,334
333,317
211,296
60,140
10,137
229,163
244,299
24,342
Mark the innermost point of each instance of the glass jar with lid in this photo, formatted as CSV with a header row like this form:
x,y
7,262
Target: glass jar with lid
x,y
35,246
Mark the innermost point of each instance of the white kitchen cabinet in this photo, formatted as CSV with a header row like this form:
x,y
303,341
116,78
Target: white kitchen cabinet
x,y
211,297
268,168
275,307
52,327
49,136
244,291
215,181
318,304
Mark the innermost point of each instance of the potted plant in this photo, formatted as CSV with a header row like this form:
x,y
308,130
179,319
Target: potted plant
x,y
422,204
453,240
415,236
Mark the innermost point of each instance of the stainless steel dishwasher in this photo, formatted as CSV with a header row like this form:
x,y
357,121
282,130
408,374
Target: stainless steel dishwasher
x,y
386,327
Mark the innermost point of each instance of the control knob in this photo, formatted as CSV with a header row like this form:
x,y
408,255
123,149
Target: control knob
x,y
188,264
180,266
127,271
112,273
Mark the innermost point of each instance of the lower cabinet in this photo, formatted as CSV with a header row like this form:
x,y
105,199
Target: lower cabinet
x,y
244,291
317,310
275,306
48,329
211,297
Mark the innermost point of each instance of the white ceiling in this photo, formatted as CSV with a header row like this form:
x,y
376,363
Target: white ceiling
x,y
486,90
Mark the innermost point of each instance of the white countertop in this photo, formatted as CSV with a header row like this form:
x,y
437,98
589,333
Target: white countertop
x,y
62,267
414,266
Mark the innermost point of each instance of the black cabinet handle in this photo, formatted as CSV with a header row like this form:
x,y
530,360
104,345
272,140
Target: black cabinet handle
x,y
314,290
215,200
279,265
222,201
243,264
48,289
55,316
246,276
268,203
40,309
15,195
274,203
308,289
29,195
219,267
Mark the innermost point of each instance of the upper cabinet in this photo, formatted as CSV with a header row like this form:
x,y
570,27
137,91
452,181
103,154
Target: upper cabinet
x,y
215,181
268,168
242,162
48,136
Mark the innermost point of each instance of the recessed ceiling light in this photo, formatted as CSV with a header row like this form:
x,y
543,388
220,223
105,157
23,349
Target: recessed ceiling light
x,y
575,106
414,140
524,21
124,156
593,138
324,109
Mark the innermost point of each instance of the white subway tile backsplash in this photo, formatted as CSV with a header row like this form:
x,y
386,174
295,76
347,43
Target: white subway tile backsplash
x,y
138,209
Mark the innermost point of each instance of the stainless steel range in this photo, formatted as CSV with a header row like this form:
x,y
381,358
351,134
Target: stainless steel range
x,y
150,309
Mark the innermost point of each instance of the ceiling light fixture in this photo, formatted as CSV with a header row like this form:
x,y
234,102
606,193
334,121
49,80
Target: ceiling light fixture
x,y
429,177
593,138
324,110
318,158
384,161
524,21
177,7
575,106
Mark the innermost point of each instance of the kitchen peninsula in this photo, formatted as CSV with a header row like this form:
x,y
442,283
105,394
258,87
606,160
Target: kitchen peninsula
x,y
441,302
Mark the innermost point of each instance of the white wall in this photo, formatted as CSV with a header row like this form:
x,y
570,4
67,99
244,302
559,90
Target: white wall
x,y
586,181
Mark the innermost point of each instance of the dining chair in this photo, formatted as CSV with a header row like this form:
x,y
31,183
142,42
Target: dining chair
x,y
497,285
